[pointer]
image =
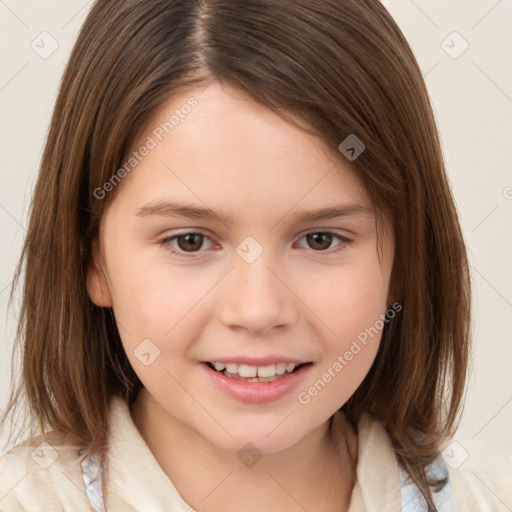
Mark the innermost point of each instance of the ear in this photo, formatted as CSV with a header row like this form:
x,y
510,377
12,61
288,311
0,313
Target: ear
x,y
96,282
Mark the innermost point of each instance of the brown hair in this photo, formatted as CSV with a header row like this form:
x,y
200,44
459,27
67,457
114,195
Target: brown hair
x,y
341,67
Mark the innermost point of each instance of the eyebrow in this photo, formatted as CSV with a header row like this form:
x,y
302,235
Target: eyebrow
x,y
173,209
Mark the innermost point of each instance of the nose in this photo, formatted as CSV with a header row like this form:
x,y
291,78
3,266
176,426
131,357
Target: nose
x,y
257,297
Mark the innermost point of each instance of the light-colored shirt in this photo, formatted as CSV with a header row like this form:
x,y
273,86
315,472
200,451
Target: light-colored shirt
x,y
56,475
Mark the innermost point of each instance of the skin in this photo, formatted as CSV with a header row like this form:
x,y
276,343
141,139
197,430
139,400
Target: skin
x,y
297,299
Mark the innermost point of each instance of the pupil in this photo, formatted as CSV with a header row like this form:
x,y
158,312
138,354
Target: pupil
x,y
317,239
189,241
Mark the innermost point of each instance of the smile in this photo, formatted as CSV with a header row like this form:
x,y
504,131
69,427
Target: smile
x,y
263,383
250,373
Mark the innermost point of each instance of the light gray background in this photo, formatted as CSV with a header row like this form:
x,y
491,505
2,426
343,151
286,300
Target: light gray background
x,y
472,98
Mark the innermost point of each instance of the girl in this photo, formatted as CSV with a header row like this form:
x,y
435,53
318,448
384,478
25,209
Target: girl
x,y
309,351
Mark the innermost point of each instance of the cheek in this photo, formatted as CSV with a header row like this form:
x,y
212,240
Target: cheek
x,y
156,302
350,306
160,315
349,354
349,301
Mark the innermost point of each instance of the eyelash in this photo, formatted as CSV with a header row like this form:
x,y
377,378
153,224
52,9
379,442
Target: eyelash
x,y
166,242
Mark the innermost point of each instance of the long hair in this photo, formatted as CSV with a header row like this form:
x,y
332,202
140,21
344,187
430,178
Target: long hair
x,y
335,68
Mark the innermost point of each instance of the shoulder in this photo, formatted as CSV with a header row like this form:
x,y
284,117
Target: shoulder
x,y
42,473
480,476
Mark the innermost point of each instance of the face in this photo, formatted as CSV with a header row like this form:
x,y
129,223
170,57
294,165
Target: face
x,y
211,254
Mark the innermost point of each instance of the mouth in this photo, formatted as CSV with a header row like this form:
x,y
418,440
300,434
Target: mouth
x,y
256,384
249,373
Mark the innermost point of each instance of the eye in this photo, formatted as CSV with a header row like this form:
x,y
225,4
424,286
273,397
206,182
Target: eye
x,y
322,240
188,243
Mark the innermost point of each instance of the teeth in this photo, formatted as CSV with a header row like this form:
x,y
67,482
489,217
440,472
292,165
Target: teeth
x,y
244,370
232,368
267,371
280,368
252,372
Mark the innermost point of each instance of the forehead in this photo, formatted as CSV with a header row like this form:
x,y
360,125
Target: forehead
x,y
215,145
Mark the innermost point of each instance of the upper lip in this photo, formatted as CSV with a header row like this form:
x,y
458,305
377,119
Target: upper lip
x,y
256,361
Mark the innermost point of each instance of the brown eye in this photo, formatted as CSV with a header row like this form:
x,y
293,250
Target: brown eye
x,y
190,241
320,241
189,244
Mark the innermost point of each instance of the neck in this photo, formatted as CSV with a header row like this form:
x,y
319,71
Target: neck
x,y
317,473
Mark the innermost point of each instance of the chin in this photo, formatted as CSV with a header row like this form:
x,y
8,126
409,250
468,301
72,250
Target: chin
x,y
262,439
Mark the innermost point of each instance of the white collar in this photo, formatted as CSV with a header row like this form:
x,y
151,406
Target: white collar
x,y
135,476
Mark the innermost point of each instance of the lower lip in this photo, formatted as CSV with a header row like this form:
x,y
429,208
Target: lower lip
x,y
257,392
